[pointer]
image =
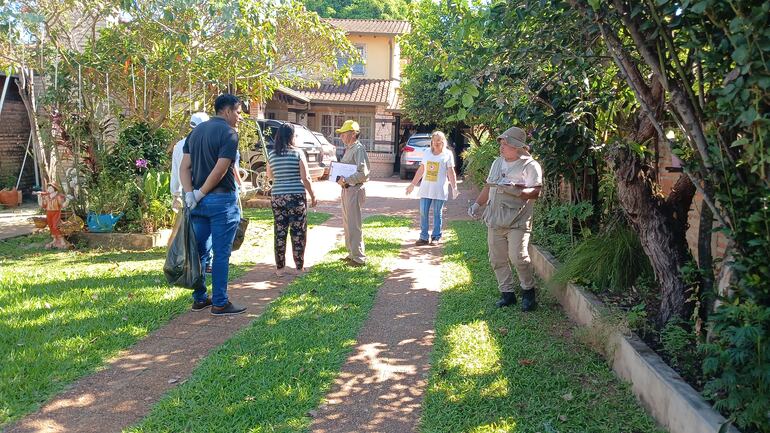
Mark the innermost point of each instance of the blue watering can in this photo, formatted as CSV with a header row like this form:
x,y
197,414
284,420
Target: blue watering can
x,y
102,223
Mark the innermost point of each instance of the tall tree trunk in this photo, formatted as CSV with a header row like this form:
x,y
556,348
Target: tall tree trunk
x,y
661,225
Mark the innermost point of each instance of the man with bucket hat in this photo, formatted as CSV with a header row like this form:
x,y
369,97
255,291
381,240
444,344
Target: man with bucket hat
x,y
513,185
353,192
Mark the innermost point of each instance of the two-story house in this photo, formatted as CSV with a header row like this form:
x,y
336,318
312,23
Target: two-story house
x,y
370,97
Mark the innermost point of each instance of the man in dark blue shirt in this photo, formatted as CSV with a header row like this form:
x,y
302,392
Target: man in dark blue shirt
x,y
208,181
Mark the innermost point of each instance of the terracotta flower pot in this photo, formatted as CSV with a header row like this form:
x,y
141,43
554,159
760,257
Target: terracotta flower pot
x,y
10,198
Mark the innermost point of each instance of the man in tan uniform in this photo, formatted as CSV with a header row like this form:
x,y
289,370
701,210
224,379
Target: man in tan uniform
x,y
353,192
513,185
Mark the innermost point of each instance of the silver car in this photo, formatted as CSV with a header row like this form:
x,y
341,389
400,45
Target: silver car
x,y
328,155
412,153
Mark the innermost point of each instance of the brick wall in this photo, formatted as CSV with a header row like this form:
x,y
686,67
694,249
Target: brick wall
x,y
381,164
14,135
667,180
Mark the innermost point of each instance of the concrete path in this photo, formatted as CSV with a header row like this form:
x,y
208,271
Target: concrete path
x,y
15,221
379,389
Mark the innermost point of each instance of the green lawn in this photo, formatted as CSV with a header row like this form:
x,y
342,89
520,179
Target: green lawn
x,y
63,313
501,370
271,374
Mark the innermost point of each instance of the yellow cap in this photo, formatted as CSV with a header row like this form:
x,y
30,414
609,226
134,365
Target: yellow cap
x,y
349,125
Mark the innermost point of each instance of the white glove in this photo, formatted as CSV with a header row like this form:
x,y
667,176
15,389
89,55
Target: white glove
x,y
473,209
191,199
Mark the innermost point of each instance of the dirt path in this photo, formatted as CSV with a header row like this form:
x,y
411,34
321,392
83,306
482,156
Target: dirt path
x,y
381,385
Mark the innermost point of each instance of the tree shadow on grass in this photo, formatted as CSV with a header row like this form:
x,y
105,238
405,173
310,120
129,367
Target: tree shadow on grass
x,y
280,367
45,347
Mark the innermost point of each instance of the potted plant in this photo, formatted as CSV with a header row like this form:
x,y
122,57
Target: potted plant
x,y
107,200
9,195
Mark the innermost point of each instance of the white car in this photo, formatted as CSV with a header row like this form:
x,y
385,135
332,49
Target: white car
x,y
411,154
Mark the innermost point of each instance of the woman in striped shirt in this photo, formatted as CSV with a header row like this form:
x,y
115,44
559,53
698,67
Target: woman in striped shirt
x,y
287,167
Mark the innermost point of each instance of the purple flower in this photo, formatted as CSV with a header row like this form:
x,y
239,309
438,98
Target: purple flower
x,y
141,163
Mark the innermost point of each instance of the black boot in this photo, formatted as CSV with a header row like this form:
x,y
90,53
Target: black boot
x,y
528,302
506,299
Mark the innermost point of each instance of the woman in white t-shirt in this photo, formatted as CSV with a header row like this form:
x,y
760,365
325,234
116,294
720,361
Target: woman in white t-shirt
x,y
437,174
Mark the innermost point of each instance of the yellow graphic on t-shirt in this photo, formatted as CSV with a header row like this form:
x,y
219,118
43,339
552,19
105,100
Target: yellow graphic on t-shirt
x,y
431,171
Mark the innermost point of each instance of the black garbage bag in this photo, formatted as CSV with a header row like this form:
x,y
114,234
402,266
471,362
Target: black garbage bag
x,y
240,234
183,263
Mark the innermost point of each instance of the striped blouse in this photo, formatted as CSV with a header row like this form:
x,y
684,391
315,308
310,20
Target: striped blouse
x,y
286,174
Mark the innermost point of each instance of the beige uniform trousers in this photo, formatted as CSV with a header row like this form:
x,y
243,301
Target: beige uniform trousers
x,y
353,199
506,247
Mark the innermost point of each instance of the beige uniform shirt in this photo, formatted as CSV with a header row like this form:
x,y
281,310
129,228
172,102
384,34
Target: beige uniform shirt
x,y
356,154
503,209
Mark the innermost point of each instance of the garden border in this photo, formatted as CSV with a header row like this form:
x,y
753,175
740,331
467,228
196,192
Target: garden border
x,y
123,241
666,396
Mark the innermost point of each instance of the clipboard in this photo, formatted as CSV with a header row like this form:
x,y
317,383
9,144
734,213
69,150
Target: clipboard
x,y
341,169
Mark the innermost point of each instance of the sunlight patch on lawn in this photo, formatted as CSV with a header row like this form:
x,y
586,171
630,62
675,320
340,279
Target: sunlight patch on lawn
x,y
472,349
502,426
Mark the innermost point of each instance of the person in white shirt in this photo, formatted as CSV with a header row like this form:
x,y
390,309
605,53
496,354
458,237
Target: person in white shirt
x,y
176,160
176,183
514,183
437,174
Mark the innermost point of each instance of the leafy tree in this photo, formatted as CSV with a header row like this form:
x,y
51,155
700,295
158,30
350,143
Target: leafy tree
x,y
360,9
149,61
600,81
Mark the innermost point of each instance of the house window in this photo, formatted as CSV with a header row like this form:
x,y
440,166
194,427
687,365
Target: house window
x,y
358,69
331,122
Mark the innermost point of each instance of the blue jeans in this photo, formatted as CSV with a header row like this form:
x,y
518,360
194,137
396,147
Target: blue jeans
x,y
425,205
216,217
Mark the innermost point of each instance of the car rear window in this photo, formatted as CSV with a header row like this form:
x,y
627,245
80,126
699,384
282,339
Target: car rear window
x,y
322,139
304,138
419,142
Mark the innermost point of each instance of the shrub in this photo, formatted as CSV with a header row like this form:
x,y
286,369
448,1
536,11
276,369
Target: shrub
x,y
737,359
108,195
553,225
155,198
137,142
478,159
613,260
680,347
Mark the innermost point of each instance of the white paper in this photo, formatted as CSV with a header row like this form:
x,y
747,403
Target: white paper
x,y
340,169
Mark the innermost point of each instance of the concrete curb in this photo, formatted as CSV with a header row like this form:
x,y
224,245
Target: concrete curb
x,y
665,395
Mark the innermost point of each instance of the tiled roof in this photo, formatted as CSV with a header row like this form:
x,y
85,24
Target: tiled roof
x,y
380,27
354,91
293,93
